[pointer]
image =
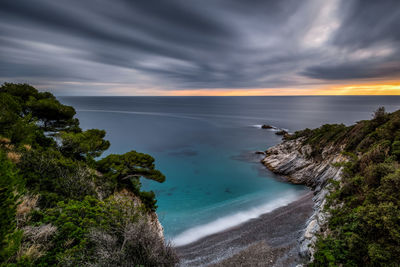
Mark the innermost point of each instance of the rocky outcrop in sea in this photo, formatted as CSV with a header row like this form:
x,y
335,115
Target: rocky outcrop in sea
x,y
296,161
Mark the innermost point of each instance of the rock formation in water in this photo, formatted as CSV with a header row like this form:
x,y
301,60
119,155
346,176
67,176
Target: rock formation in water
x,y
267,126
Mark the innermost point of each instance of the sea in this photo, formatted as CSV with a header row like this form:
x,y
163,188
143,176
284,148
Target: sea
x,y
206,148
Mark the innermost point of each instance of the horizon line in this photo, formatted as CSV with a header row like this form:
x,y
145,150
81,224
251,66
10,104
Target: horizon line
x,y
222,95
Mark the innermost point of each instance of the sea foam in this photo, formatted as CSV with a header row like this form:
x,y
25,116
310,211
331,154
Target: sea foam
x,y
193,234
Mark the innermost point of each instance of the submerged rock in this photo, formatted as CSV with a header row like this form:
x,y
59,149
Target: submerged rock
x,y
281,132
285,135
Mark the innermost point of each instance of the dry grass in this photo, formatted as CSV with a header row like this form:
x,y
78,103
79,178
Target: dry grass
x,y
69,242
132,244
8,146
26,205
32,252
76,183
39,234
36,241
13,156
127,199
27,147
4,140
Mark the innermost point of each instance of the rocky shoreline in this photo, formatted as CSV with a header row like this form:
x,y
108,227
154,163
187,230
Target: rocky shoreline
x,y
295,161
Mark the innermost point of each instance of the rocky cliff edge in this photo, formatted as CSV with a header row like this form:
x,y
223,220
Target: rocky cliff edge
x,y
295,161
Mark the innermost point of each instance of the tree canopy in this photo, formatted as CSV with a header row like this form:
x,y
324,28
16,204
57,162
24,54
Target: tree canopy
x,y
58,201
130,164
87,144
49,113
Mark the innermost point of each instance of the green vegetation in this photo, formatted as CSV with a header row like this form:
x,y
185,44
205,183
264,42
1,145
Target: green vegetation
x,y
364,227
59,205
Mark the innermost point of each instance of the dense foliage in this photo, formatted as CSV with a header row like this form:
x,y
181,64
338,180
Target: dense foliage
x,y
364,227
59,205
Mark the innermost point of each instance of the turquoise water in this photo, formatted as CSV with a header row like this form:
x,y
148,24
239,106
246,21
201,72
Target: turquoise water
x,y
205,147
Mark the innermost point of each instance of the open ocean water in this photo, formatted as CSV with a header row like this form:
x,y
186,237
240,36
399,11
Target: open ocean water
x,y
205,147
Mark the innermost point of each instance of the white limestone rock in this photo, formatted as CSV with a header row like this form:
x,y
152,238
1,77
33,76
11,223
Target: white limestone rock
x,y
293,160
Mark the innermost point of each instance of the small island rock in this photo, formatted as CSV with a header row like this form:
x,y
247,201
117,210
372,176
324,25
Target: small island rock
x,y
285,135
281,132
266,126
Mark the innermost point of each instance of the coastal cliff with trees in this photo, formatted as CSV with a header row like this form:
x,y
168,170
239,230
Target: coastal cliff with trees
x,y
354,172
60,204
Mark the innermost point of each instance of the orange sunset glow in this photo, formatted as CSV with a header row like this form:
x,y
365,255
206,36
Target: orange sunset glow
x,y
354,89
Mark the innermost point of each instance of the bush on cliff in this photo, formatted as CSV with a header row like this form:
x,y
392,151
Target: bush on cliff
x,y
10,183
56,198
364,227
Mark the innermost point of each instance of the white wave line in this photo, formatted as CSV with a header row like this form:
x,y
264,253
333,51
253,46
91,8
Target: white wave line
x,y
141,113
193,234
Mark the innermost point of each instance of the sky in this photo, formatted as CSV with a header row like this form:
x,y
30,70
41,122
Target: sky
x,y
202,47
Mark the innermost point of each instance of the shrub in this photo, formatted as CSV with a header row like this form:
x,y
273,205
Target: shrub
x,y
10,183
364,226
135,244
396,149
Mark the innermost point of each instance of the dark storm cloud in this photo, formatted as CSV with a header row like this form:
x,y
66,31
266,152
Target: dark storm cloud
x,y
187,44
353,71
368,22
367,27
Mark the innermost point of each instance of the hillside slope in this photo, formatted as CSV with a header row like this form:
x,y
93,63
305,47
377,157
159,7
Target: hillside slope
x,y
59,205
355,174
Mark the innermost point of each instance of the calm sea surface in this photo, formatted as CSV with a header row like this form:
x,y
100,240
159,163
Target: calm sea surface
x,y
205,147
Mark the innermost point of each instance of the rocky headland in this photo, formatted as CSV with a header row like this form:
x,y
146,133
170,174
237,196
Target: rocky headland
x,y
358,166
293,160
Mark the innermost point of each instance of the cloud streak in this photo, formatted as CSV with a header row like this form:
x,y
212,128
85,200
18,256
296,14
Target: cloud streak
x,y
141,47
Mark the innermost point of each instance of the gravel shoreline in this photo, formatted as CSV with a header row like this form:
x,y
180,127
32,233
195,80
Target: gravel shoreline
x,y
269,240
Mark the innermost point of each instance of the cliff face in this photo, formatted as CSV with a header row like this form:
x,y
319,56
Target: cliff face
x,y
155,224
294,160
150,217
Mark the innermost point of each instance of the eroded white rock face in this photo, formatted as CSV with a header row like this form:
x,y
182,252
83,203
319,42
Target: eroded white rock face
x,y
311,228
293,160
131,200
155,223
